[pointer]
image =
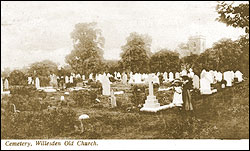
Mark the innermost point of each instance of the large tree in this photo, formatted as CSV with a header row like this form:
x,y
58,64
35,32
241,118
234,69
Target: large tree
x,y
87,53
136,53
42,68
236,16
165,60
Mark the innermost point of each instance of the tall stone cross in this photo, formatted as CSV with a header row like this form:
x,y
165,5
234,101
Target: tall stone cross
x,y
150,85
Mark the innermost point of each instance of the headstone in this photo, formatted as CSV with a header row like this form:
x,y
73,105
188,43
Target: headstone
x,y
118,75
228,77
91,76
196,82
177,75
37,83
62,98
66,79
156,79
6,84
205,87
171,77
165,76
83,77
137,78
203,72
71,80
151,104
29,80
124,78
218,76
113,99
105,86
238,75
1,85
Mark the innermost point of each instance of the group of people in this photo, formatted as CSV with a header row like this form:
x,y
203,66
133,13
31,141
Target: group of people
x,y
182,96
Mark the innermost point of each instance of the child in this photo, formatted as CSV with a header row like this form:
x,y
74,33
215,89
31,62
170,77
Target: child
x,y
177,99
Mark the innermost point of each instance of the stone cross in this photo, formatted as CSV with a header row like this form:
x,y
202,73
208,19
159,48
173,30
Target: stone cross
x,y
150,85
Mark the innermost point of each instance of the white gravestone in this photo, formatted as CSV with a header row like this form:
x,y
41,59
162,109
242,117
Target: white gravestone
x,y
196,82
124,78
113,100
218,76
71,80
238,75
165,76
29,80
37,83
171,77
177,75
151,104
6,84
1,85
83,77
66,79
205,87
105,86
228,78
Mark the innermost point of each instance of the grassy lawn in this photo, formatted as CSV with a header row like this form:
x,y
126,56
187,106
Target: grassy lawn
x,y
223,115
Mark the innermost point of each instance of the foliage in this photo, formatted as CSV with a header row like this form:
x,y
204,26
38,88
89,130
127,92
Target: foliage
x,y
17,78
136,53
84,97
236,16
31,124
87,54
165,60
138,94
42,69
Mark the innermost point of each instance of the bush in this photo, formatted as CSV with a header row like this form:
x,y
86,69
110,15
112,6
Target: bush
x,y
25,125
84,97
138,94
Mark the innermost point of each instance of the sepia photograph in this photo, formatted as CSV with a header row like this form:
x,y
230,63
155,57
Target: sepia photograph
x,y
124,75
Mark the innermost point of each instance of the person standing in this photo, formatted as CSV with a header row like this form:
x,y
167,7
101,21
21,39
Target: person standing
x,y
186,94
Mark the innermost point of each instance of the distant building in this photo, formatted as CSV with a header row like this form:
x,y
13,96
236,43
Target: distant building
x,y
195,45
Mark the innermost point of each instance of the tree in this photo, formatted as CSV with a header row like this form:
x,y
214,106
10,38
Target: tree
x,y
189,61
136,53
17,78
87,53
236,16
43,68
165,60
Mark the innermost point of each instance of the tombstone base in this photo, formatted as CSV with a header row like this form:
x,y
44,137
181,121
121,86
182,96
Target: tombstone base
x,y
151,104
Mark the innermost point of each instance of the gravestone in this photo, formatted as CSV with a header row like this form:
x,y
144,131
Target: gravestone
x,y
151,104
137,78
205,87
1,85
156,79
118,75
218,76
71,79
165,76
196,82
91,76
171,77
113,100
203,72
83,77
105,86
124,78
29,80
228,77
37,83
238,75
66,79
6,84
177,75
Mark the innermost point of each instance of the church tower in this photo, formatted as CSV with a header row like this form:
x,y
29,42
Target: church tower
x,y
196,44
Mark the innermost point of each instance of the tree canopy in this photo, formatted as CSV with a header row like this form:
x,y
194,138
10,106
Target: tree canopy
x,y
136,53
236,16
87,53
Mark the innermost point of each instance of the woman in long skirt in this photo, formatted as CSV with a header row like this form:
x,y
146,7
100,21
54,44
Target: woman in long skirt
x,y
186,95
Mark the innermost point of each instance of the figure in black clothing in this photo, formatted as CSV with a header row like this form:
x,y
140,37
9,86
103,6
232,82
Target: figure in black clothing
x,y
186,95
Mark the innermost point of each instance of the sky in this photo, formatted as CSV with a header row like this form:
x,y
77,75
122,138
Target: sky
x,y
35,31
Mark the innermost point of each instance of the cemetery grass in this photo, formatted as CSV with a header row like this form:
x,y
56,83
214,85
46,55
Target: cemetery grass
x,y
223,115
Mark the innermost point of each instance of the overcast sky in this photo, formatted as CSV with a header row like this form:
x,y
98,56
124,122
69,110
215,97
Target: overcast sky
x,y
34,31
